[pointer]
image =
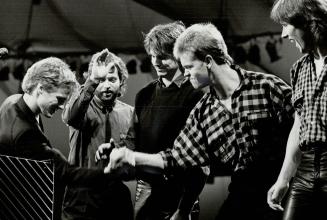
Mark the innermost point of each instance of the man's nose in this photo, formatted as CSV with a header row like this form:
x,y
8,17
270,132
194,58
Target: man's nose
x,y
186,73
156,60
61,106
106,84
284,33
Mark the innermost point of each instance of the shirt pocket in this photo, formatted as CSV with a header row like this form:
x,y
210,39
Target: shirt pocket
x,y
218,145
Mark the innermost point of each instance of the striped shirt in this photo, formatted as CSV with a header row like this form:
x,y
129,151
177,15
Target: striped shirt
x,y
255,128
309,98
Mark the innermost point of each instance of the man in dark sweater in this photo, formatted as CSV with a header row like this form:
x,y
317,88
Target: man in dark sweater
x,y
161,109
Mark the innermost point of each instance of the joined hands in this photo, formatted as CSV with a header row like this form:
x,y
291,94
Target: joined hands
x,y
118,157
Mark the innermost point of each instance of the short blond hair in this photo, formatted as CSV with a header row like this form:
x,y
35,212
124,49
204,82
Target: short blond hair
x,y
51,73
202,39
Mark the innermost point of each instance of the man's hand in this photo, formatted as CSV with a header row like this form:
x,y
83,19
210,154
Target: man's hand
x,y
104,151
120,157
275,195
100,67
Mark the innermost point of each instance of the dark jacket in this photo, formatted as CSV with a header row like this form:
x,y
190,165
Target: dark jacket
x,y
22,136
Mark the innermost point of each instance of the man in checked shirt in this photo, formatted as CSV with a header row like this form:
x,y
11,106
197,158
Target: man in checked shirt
x,y
305,23
245,118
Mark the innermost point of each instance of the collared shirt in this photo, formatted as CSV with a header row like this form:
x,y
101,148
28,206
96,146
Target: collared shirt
x,y
87,118
261,107
178,81
309,97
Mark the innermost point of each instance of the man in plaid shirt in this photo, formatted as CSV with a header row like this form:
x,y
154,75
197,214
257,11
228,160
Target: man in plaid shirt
x,y
244,119
305,23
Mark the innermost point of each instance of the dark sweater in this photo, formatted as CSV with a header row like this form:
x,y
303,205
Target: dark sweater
x,y
162,113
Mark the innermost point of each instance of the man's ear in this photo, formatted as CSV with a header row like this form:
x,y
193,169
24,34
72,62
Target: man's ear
x,y
209,61
39,89
119,94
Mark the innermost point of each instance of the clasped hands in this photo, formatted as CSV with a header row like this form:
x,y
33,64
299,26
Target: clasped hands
x,y
118,156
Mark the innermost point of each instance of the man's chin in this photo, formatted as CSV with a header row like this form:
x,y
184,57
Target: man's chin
x,y
48,115
161,72
108,99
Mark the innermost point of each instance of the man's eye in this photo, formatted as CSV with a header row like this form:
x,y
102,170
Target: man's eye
x,y
112,79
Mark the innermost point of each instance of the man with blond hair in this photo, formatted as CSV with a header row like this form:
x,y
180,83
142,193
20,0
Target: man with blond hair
x,y
46,86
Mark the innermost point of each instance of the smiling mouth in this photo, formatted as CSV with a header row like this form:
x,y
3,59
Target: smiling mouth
x,y
107,93
160,68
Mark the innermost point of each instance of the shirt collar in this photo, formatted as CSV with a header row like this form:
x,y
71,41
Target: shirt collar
x,y
178,81
100,105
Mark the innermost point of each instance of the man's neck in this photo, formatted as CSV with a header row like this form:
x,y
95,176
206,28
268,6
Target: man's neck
x,y
101,103
31,103
319,60
226,83
167,81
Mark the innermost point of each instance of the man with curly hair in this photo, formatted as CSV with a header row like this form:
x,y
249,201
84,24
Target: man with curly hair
x,y
95,115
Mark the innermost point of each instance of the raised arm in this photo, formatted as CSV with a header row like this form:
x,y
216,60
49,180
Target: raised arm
x,y
74,113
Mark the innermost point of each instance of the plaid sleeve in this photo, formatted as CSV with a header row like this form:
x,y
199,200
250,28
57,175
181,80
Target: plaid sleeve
x,y
281,96
189,147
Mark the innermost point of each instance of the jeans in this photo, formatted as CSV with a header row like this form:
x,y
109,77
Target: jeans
x,y
248,195
308,191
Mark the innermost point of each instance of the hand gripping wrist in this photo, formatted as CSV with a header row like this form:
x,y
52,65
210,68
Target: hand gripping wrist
x,y
130,157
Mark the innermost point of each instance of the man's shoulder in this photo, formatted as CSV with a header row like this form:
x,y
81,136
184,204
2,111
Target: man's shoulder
x,y
13,122
123,105
304,59
263,78
150,86
10,101
9,108
147,90
300,63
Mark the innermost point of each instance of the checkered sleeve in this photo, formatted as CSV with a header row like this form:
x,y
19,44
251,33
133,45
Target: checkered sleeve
x,y
281,96
189,147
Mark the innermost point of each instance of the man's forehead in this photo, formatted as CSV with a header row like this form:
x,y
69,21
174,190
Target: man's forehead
x,y
154,52
187,56
63,91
